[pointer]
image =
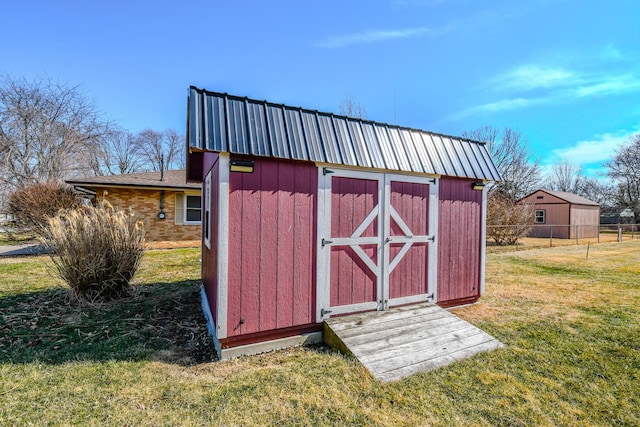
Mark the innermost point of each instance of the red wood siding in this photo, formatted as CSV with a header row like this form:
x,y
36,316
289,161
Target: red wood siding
x,y
272,235
411,201
210,256
459,240
352,281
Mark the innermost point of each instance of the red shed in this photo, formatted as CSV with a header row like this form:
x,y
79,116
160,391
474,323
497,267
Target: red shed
x,y
308,215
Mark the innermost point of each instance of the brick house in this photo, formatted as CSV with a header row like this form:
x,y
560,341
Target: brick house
x,y
169,206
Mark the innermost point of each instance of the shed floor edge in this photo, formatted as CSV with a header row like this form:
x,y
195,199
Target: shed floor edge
x,y
271,345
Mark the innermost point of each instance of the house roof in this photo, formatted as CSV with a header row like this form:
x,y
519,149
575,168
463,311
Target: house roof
x,y
230,124
175,179
574,199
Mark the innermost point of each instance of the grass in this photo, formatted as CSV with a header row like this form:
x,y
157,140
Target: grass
x,y
540,242
16,238
571,326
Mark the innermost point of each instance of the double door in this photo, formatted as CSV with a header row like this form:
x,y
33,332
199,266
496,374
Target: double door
x,y
377,238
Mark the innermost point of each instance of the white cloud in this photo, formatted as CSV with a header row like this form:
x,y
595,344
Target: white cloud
x,y
506,104
552,85
609,85
378,36
529,77
596,150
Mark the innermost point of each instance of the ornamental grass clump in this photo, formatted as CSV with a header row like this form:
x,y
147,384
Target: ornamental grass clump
x,y
96,250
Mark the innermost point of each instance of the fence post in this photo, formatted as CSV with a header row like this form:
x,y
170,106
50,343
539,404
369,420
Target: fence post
x,y
551,236
577,234
598,230
619,233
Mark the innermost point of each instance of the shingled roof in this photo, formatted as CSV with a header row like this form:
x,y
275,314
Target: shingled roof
x,y
574,199
175,179
225,123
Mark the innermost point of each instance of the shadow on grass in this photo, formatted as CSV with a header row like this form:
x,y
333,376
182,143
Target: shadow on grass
x,y
161,322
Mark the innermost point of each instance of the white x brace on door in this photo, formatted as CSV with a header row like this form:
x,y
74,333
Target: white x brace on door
x,y
376,241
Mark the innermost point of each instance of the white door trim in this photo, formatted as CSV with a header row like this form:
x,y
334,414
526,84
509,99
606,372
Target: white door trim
x,y
385,212
223,245
323,274
483,237
409,239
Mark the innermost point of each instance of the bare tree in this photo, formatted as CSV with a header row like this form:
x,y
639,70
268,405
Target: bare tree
x,y
45,127
509,150
116,153
153,147
566,176
624,169
177,141
599,191
507,221
351,108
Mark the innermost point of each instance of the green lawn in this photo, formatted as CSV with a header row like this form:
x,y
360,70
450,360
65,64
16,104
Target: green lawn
x,y
16,238
571,326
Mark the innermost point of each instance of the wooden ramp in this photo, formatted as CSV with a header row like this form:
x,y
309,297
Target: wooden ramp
x,y
402,341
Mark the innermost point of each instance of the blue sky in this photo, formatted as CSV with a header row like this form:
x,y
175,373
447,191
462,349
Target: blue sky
x,y
565,73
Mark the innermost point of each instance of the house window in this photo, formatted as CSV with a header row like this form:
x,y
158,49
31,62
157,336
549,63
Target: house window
x,y
540,216
192,209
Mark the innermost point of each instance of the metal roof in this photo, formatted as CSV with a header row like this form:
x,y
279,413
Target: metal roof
x,y
225,123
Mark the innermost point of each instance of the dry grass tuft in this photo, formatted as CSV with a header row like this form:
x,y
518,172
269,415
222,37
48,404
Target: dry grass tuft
x,y
95,250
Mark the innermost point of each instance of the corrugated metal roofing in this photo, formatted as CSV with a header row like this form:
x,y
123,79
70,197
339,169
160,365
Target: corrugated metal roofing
x,y
225,123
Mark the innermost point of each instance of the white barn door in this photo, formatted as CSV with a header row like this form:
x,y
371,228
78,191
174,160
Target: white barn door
x,y
376,241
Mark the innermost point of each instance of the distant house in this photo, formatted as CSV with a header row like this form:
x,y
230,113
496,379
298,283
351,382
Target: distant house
x,y
563,215
170,207
616,215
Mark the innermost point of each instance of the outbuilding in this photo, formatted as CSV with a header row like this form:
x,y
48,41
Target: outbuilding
x,y
309,215
563,215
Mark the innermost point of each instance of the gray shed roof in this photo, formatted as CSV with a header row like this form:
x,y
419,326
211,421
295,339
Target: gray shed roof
x,y
224,123
572,198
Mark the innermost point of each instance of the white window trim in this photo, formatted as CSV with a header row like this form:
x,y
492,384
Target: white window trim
x,y
184,208
544,216
206,208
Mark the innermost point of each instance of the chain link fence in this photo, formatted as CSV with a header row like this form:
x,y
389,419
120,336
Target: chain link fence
x,y
562,235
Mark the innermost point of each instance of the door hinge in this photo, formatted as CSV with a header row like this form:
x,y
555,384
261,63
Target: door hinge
x,y
324,312
383,305
432,181
326,242
326,171
432,239
431,296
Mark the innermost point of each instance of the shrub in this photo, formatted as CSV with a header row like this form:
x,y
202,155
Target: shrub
x,y
95,250
31,206
507,221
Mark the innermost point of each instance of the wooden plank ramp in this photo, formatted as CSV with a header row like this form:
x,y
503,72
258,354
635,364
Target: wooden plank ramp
x,y
396,343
